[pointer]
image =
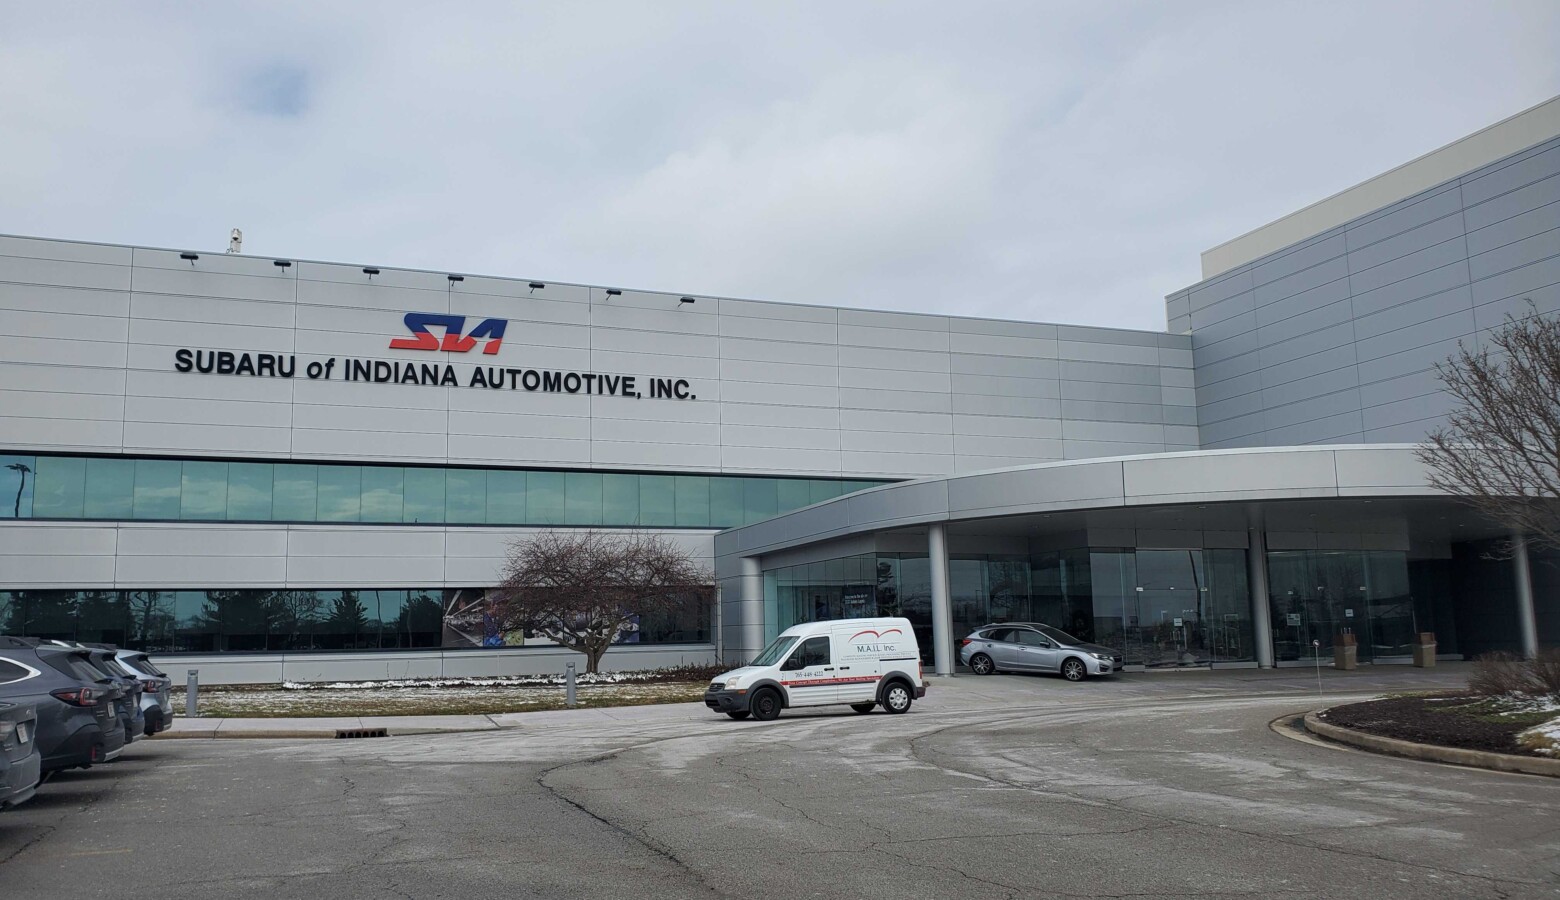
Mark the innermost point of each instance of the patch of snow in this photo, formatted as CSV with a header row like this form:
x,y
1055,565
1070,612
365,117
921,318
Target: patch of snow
x,y
1544,739
440,683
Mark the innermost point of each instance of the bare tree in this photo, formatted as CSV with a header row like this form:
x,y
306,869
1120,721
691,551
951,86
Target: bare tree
x,y
582,589
1499,450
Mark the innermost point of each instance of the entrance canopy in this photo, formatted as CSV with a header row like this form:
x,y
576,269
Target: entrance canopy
x,y
1165,556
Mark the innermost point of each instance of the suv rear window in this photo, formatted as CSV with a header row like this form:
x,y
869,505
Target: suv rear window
x,y
10,671
72,665
143,665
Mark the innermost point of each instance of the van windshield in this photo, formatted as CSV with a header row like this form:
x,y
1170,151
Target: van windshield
x,y
775,651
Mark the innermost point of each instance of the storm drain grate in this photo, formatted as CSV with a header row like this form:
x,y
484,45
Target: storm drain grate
x,y
362,732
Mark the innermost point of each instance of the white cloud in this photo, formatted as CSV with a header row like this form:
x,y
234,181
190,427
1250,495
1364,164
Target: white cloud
x,y
1064,162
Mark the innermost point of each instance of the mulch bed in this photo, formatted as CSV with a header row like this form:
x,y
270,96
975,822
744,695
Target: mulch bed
x,y
1430,721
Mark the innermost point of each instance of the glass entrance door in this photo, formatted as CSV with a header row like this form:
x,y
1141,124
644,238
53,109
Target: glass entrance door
x,y
1170,626
1317,595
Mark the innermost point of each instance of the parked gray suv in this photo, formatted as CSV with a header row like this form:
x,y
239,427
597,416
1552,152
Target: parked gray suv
x,y
1034,647
19,759
78,718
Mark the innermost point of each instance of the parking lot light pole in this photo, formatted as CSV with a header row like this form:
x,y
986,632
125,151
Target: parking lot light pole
x,y
191,692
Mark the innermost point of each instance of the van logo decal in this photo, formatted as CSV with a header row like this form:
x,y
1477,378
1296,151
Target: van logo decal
x,y
882,634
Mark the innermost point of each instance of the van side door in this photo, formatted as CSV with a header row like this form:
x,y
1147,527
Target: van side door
x,y
856,663
809,674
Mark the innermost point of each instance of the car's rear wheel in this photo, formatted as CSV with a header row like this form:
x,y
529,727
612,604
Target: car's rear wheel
x,y
766,705
863,707
1073,669
739,714
897,699
981,664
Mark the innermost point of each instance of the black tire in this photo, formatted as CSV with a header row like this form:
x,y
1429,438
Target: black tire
x,y
863,707
981,664
897,697
738,714
766,705
1074,669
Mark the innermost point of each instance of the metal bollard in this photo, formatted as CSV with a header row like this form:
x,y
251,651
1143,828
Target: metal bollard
x,y
568,686
191,692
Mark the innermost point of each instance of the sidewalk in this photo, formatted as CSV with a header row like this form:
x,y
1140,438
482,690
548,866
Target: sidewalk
x,y
963,691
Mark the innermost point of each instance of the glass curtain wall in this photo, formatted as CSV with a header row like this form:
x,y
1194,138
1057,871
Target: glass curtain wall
x,y
1160,607
252,620
1317,595
69,487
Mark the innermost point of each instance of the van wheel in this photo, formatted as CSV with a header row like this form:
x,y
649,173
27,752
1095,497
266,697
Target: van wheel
x,y
981,664
738,714
863,707
897,698
766,705
1073,669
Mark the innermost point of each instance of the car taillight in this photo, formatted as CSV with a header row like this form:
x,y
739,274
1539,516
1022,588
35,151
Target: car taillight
x,y
84,696
965,642
151,687
6,730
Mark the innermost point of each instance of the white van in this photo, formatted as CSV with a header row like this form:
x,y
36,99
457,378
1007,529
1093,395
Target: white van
x,y
860,662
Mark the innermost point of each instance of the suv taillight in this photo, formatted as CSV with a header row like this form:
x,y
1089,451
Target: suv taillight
x,y
151,687
83,696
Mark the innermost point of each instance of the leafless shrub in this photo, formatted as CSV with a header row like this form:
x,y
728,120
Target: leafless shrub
x,y
1497,674
1544,673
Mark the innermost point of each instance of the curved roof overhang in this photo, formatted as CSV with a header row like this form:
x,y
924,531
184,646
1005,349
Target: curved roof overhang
x,y
1154,480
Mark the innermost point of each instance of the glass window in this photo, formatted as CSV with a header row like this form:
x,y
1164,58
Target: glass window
x,y
424,501
102,618
152,620
341,493
814,652
793,493
383,488
824,490
346,624
760,499
620,499
582,491
16,486
110,488
725,502
58,487
157,486
197,623
465,496
774,651
505,497
203,491
544,492
657,500
249,492
693,500
294,492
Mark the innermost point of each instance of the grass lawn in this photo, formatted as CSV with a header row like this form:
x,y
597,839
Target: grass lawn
x,y
276,703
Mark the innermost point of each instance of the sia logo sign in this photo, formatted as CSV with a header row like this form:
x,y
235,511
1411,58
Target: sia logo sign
x,y
452,338
454,341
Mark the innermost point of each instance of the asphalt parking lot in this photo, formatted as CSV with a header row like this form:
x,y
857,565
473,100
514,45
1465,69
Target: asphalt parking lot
x,y
1150,785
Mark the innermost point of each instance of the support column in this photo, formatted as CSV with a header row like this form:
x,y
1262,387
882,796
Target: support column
x,y
942,608
1527,623
751,622
1261,606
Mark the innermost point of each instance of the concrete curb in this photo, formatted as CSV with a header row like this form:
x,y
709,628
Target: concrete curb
x,y
324,729
1479,759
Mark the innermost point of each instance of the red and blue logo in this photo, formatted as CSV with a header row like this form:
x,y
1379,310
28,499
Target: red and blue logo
x,y
456,339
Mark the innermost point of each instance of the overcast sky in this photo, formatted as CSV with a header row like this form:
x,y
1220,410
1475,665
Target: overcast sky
x,y
1055,161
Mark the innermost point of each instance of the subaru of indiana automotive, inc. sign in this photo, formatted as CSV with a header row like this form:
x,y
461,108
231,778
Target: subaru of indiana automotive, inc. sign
x,y
489,333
